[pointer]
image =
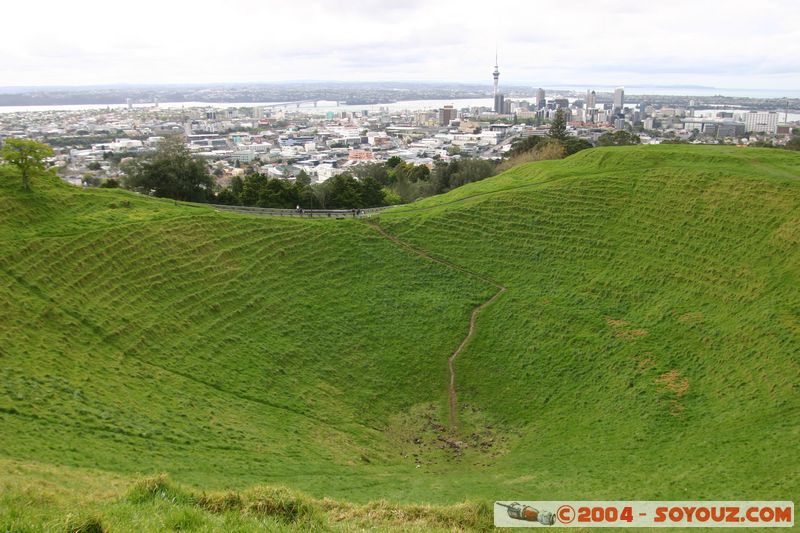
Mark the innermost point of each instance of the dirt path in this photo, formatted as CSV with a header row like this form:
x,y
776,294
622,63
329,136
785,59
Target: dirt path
x,y
451,389
451,360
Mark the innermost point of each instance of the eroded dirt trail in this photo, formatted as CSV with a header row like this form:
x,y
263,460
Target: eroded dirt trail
x,y
451,389
450,362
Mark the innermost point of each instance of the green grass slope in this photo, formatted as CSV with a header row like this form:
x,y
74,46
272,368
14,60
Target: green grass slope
x,y
647,347
139,336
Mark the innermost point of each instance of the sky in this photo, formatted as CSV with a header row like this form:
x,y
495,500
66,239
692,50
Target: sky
x,y
712,43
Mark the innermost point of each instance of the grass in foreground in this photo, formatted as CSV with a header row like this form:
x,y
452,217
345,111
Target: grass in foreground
x,y
42,498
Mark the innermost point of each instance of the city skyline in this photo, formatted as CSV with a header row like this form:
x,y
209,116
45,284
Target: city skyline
x,y
596,44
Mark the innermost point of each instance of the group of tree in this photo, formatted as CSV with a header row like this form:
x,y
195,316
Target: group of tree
x,y
618,138
343,191
406,182
172,171
392,171
791,144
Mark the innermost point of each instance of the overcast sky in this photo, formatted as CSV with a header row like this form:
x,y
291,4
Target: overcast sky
x,y
726,44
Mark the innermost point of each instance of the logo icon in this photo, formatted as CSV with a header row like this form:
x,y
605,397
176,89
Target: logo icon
x,y
517,511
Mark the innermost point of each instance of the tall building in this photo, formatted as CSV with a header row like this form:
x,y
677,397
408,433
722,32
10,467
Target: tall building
x,y
446,114
619,99
591,100
540,102
561,103
499,103
591,106
761,122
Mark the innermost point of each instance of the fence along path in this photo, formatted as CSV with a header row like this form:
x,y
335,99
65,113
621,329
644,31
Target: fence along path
x,y
304,213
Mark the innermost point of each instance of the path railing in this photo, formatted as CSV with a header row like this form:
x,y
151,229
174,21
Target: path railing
x,y
305,213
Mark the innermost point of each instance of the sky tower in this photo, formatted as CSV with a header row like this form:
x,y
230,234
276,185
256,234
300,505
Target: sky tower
x,y
499,100
496,75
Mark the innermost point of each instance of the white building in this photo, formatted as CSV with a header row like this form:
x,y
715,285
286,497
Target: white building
x,y
326,171
619,99
761,122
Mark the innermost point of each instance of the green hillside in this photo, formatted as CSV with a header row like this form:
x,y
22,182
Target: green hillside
x,y
647,346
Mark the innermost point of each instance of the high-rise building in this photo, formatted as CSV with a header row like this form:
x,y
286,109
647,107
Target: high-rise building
x,y
619,99
591,100
540,101
499,103
561,103
761,122
446,114
591,106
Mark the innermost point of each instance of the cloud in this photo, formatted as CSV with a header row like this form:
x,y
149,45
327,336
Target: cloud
x,y
713,42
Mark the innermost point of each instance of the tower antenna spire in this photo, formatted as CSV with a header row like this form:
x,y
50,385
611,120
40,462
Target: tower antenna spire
x,y
496,73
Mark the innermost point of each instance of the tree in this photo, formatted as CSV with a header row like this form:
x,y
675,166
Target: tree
x,y
321,193
390,197
558,129
303,178
470,170
378,171
237,185
420,173
440,178
393,161
171,172
371,193
618,138
226,197
793,144
90,180
27,155
251,188
573,145
345,192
